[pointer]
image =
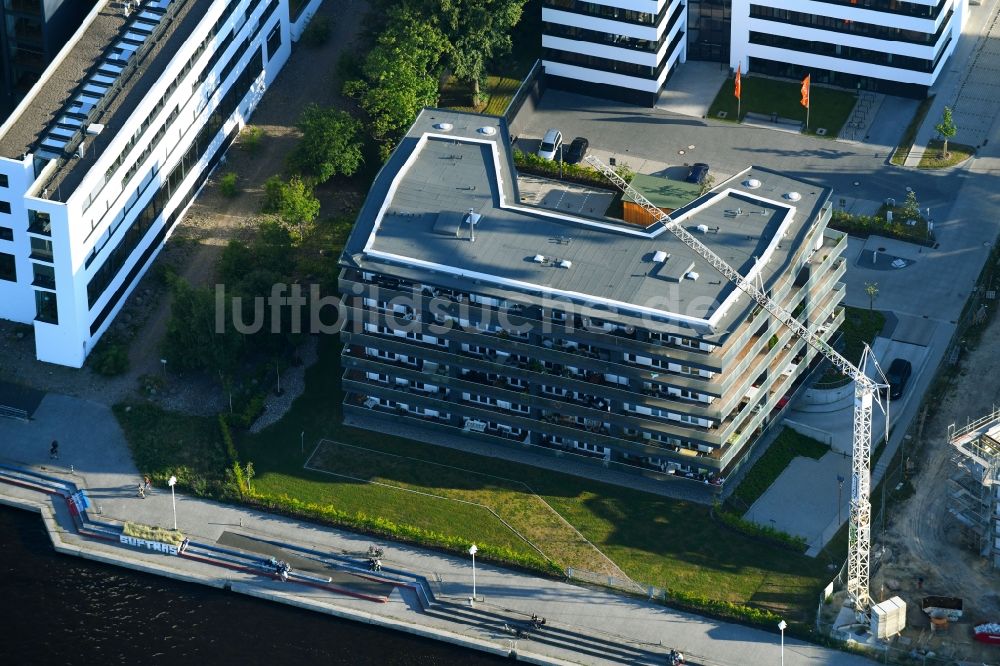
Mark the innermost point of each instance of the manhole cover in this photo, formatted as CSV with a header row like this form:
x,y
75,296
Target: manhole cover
x,y
881,249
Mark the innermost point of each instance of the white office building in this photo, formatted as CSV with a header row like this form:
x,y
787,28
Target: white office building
x,y
624,50
888,46
103,156
627,49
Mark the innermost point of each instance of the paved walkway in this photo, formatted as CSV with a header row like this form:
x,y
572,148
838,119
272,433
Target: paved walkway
x,y
584,625
692,88
970,86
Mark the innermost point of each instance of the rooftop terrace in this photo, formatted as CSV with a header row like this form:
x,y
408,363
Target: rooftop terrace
x,y
416,219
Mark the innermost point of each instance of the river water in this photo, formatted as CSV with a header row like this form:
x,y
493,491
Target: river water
x,y
59,609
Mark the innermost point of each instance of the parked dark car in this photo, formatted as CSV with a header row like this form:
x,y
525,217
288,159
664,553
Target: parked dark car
x,y
697,173
577,150
898,374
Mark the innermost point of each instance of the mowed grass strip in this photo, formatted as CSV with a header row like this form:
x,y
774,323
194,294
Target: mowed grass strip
x,y
653,539
515,503
829,108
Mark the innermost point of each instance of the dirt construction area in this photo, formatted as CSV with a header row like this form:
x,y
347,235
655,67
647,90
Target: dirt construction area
x,y
927,551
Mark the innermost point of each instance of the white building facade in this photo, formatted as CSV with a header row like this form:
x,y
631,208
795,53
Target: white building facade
x,y
888,46
627,49
109,148
623,50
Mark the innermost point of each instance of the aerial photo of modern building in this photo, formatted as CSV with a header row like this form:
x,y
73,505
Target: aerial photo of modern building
x,y
100,160
472,312
627,49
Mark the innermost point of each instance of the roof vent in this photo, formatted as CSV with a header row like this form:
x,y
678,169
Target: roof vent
x,y
793,196
488,131
703,228
565,263
444,127
691,275
659,256
538,259
472,219
751,183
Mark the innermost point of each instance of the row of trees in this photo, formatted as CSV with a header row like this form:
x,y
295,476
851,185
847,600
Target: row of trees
x,y
417,41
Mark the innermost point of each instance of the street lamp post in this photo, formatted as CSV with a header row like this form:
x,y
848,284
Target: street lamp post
x,y
781,626
472,551
840,490
172,481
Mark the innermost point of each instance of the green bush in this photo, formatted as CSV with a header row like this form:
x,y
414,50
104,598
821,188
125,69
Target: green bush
x,y
317,32
577,173
111,360
228,186
250,139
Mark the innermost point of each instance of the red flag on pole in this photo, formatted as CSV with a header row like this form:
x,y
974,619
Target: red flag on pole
x,y
736,92
805,90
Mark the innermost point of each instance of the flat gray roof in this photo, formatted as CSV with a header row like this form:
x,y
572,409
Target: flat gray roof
x,y
50,100
425,191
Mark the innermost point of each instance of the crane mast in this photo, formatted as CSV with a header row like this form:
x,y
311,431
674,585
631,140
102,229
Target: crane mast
x,y
865,391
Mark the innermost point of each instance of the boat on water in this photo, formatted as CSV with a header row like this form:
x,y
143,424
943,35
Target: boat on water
x,y
988,633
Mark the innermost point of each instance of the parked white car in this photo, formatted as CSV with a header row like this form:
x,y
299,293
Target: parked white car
x,y
549,146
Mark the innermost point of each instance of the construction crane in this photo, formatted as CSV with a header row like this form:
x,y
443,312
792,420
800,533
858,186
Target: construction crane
x,y
866,392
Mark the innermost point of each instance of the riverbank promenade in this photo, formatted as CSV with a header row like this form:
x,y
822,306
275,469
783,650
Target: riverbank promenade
x,y
419,591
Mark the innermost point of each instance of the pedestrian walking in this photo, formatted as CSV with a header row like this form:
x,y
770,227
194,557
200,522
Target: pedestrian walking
x,y
142,492
54,450
146,483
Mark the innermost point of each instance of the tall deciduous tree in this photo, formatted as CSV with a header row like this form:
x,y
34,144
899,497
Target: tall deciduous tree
x,y
330,145
400,75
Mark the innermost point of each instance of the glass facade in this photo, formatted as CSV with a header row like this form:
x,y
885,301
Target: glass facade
x,y
709,29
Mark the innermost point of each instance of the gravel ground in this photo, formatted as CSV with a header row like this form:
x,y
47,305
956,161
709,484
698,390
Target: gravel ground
x,y
293,383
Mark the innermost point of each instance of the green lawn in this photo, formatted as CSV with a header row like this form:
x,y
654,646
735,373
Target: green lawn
x,y
786,447
830,108
654,540
933,157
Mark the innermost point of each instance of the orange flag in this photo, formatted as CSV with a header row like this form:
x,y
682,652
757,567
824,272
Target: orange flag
x,y
736,92
805,90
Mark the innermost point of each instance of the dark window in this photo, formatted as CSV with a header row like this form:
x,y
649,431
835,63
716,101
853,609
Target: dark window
x,y
5,207
8,268
6,233
3,180
274,40
46,308
44,276
39,223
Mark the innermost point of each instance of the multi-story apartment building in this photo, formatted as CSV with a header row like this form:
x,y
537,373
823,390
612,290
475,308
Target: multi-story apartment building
x,y
892,46
33,32
106,152
626,49
472,312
